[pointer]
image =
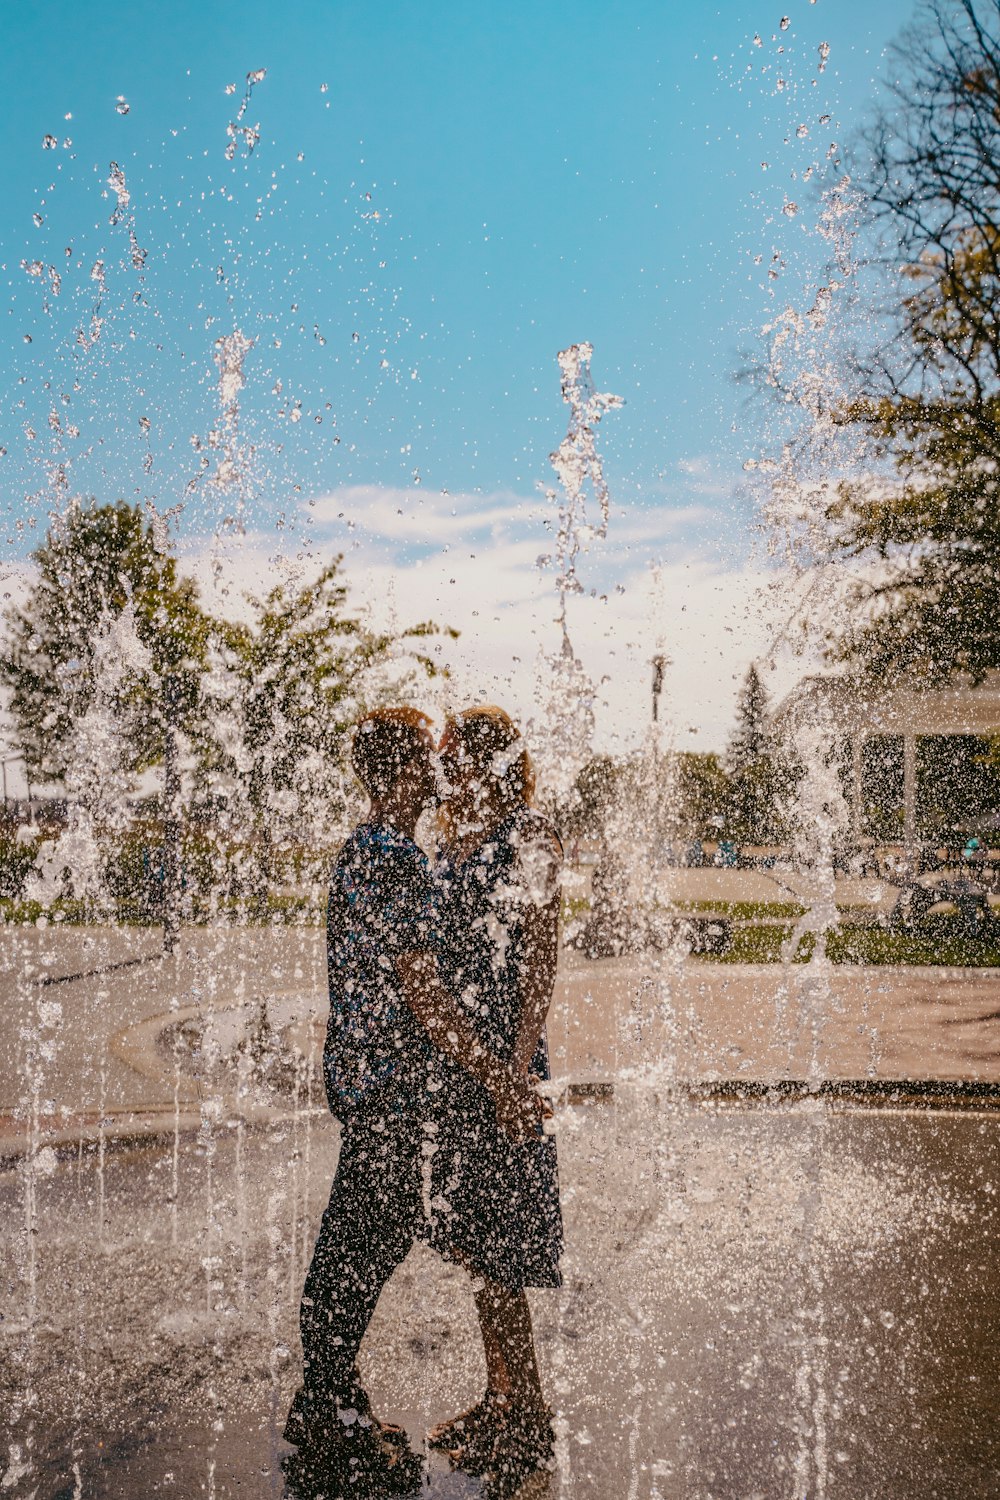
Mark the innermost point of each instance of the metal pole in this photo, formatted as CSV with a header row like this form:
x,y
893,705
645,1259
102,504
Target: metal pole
x,y
857,783
659,667
910,802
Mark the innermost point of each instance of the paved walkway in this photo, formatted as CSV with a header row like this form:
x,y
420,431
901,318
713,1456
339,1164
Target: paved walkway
x,y
87,1010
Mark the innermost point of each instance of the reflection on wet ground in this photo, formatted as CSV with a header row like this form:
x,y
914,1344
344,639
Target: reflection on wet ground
x,y
795,1300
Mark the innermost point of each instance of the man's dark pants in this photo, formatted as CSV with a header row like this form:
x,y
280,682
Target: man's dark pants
x,y
371,1221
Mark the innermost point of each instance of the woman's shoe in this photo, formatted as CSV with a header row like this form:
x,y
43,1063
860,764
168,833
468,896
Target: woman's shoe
x,y
450,1436
514,1438
523,1456
314,1416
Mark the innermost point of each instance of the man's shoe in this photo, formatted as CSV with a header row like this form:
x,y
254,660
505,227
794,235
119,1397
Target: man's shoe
x,y
340,1441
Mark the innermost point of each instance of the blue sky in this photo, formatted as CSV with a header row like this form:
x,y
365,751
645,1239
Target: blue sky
x,y
442,197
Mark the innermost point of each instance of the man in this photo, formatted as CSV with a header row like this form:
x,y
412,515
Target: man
x,y
390,1022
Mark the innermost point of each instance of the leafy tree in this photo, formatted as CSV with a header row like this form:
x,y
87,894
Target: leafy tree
x,y
699,786
756,801
595,789
113,667
99,566
927,531
280,694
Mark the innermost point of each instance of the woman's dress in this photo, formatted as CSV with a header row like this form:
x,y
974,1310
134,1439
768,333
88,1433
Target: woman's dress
x,y
493,1202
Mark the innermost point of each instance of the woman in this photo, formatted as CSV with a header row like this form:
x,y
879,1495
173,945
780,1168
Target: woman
x,y
495,1200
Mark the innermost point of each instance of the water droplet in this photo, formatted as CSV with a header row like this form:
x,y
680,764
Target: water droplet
x,y
790,209
785,22
49,143
116,180
824,119
757,41
257,76
230,88
801,131
887,1319
144,424
824,53
37,220
779,84
122,105
323,88
27,338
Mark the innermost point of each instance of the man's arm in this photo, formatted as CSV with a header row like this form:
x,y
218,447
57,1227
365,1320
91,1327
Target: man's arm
x,y
518,1108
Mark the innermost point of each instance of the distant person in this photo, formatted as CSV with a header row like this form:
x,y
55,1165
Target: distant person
x,y
500,1218
391,1025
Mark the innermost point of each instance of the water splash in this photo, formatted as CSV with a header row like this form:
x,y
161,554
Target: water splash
x,y
232,465
123,211
565,691
578,465
98,781
238,133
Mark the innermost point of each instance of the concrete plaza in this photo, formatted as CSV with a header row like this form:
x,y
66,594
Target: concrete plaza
x,y
96,1002
758,1301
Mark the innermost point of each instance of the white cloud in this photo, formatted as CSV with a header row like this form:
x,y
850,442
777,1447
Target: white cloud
x,y
469,561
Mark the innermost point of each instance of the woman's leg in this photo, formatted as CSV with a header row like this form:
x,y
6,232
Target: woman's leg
x,y
497,1374
508,1343
511,1367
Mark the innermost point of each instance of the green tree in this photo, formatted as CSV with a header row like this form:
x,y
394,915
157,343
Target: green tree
x,y
925,530
759,780
100,567
594,792
279,697
699,785
750,738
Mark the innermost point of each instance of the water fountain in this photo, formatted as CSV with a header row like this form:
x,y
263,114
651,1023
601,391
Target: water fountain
x,y
772,1237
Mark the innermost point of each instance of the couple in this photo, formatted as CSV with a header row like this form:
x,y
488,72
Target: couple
x,y
440,979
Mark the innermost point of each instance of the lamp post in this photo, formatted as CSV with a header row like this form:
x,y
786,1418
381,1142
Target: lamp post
x,y
660,665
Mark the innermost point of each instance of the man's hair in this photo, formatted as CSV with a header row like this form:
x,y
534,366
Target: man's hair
x,y
385,742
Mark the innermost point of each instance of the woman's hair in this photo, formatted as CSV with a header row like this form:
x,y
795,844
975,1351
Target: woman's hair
x,y
385,741
492,741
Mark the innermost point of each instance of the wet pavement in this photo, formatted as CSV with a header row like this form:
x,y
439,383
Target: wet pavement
x,y
769,1290
780,1301
101,1000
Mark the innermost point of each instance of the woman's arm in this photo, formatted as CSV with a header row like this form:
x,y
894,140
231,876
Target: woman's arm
x,y
518,1107
538,977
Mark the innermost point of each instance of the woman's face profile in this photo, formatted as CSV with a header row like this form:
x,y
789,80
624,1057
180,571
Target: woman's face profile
x,y
462,788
